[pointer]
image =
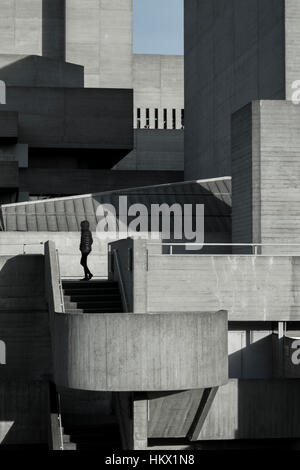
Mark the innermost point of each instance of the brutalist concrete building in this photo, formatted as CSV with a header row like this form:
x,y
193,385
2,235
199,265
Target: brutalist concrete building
x,y
167,347
68,72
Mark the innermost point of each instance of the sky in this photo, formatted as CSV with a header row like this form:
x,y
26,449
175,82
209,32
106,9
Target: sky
x,y
158,26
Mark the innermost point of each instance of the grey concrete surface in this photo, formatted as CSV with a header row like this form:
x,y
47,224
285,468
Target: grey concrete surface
x,y
120,352
159,150
9,174
53,181
24,329
8,126
33,70
33,27
234,53
158,83
254,409
292,45
73,117
23,408
261,288
266,173
65,214
99,37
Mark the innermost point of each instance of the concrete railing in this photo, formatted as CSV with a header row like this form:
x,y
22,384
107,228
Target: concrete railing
x,y
126,352
249,287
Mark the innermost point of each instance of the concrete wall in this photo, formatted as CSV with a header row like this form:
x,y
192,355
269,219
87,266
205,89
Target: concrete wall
x,y
266,172
9,174
155,150
262,288
23,408
99,37
24,329
36,71
254,409
121,352
250,288
73,117
158,83
234,53
292,45
69,181
33,27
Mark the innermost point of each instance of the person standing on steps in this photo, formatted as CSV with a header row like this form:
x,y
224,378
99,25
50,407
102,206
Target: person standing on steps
x,y
85,247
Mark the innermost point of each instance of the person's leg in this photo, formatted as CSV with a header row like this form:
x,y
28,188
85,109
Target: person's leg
x,y
83,263
90,275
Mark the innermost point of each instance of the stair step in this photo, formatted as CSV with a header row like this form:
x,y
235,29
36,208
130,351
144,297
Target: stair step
x,y
70,446
91,298
88,284
87,292
99,304
94,310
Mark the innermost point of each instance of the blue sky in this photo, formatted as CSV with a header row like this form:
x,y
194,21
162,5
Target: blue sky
x,y
158,26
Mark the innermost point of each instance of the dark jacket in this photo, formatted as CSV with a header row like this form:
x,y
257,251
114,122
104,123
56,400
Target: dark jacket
x,y
86,241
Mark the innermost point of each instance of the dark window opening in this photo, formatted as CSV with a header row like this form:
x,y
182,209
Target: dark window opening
x,y
182,119
147,126
156,118
174,118
165,119
138,118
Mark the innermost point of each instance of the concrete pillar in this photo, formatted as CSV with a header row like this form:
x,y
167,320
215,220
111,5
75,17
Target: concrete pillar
x,y
143,118
169,119
178,118
140,421
152,118
160,118
140,257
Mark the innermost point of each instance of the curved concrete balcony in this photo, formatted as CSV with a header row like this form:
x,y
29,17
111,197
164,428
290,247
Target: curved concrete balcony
x,y
141,352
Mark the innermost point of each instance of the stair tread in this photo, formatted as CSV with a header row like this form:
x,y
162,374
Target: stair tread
x,y
93,305
91,310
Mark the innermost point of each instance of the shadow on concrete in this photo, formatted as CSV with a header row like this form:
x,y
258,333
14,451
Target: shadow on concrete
x,y
54,29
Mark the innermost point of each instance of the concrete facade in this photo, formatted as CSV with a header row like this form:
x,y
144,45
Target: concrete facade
x,y
265,166
158,150
158,83
235,52
33,27
99,37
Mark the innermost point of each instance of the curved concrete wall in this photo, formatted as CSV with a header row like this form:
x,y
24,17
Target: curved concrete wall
x,y
144,352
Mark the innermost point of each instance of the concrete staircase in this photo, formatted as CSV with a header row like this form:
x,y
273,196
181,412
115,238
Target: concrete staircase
x,y
92,297
84,433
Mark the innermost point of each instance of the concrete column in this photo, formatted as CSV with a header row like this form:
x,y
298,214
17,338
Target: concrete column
x,y
135,118
152,118
178,118
169,119
160,118
140,257
143,117
140,421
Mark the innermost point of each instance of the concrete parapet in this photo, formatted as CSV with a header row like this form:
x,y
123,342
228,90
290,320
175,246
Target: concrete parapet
x,y
125,352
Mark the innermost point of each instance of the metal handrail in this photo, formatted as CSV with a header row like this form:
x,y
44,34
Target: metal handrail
x,y
62,303
250,245
60,423
123,292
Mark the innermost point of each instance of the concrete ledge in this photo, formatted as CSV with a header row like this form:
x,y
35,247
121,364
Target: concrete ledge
x,y
125,352
9,174
8,127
